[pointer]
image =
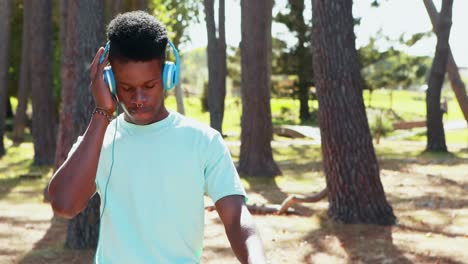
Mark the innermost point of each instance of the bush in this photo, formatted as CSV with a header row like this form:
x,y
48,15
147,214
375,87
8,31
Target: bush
x,y
380,127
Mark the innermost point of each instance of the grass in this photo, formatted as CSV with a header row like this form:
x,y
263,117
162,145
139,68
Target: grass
x,y
411,105
451,137
17,162
283,111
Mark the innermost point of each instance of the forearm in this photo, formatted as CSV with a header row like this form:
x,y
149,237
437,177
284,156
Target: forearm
x,y
73,183
244,239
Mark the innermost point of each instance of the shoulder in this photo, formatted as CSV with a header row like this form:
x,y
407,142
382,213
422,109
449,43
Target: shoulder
x,y
193,127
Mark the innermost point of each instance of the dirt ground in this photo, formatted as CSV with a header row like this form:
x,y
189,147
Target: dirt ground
x,y
429,195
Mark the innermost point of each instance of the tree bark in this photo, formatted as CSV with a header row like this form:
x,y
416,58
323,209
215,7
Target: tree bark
x,y
355,193
434,114
6,14
9,108
44,121
140,4
179,94
20,118
458,86
83,20
305,69
256,157
217,68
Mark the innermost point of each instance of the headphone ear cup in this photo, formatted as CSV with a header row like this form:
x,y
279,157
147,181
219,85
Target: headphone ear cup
x,y
169,75
110,81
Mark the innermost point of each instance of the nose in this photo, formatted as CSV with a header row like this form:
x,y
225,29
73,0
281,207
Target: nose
x,y
139,96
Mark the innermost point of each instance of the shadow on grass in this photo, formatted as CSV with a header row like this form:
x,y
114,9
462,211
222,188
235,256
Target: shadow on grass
x,y
15,166
268,188
8,184
51,250
430,201
426,230
364,244
399,161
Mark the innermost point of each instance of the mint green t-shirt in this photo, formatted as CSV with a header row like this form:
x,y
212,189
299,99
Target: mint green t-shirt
x,y
154,211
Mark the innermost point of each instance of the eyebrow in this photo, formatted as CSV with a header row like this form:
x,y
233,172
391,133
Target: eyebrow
x,y
143,83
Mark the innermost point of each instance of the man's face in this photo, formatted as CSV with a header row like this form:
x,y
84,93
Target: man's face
x,y
140,90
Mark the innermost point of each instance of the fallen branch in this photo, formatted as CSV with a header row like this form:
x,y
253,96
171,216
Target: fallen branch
x,y
295,199
284,208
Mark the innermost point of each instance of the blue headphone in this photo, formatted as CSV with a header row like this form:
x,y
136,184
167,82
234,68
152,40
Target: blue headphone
x,y
170,75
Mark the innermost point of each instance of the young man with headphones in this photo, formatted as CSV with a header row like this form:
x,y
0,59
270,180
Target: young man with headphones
x,y
150,166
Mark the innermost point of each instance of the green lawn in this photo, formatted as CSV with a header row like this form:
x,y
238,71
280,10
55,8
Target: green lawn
x,y
18,161
451,137
411,105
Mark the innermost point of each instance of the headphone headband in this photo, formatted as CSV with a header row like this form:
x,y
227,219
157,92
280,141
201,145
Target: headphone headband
x,y
170,73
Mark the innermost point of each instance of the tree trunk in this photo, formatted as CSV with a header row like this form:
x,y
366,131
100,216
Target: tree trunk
x,y
112,8
217,68
179,94
44,121
19,122
304,110
83,20
140,4
6,15
9,108
452,69
355,193
434,122
256,157
305,68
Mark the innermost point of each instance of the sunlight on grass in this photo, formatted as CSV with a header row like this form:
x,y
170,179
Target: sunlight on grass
x,y
18,161
451,137
411,105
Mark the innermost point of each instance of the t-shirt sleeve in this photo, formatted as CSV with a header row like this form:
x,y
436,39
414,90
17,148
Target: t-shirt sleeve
x,y
221,178
100,168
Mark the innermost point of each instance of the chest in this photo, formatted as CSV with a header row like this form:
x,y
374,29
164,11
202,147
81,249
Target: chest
x,y
153,171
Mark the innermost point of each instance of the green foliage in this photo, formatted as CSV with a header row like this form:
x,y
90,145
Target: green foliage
x,y
411,105
234,67
416,37
380,127
392,68
296,60
15,47
177,15
194,66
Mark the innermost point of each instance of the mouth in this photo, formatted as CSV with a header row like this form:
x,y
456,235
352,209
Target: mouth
x,y
139,110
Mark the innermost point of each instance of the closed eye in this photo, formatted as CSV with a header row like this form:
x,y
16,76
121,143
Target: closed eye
x,y
127,89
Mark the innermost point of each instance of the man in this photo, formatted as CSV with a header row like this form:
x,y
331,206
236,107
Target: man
x,y
150,166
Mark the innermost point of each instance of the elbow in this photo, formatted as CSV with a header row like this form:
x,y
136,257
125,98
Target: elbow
x,y
60,206
63,210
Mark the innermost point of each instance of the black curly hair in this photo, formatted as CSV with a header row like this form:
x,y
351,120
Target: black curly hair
x,y
136,36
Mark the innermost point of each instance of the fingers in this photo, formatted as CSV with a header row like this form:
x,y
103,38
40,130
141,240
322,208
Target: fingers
x,y
94,63
102,65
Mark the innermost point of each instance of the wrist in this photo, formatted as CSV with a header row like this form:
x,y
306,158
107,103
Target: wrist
x,y
101,112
